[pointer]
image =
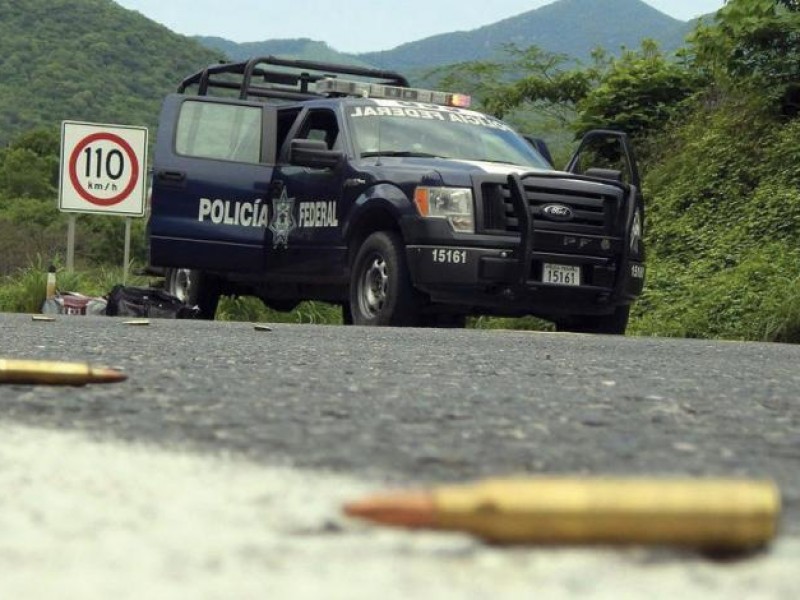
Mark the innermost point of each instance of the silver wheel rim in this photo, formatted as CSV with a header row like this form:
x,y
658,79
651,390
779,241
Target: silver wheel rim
x,y
181,283
374,286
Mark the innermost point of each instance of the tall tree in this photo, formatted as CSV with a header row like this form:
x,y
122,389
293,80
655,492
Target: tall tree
x,y
755,44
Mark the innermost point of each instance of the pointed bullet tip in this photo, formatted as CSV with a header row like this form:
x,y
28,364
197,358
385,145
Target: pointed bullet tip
x,y
105,375
405,509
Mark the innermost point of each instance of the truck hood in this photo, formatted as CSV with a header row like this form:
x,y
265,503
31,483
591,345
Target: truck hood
x,y
452,172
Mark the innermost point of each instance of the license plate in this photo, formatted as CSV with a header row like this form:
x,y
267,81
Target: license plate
x,y
561,274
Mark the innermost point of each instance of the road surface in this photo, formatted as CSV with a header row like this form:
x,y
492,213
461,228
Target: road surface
x,y
218,469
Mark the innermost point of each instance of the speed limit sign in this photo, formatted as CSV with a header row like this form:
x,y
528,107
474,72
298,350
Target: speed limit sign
x,y
103,169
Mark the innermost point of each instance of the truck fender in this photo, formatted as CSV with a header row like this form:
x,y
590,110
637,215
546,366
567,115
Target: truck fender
x,y
379,207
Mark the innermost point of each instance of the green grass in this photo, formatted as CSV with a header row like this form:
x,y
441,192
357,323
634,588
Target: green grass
x,y
24,291
755,299
250,309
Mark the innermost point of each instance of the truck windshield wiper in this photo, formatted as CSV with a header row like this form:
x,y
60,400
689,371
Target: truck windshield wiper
x,y
492,160
405,153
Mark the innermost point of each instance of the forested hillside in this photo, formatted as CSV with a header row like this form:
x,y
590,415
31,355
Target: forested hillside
x,y
80,60
86,60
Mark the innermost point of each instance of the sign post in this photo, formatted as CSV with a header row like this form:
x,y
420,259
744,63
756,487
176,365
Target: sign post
x,y
103,171
71,243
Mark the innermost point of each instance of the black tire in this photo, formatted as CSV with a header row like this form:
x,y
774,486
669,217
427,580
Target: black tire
x,y
381,292
194,288
614,324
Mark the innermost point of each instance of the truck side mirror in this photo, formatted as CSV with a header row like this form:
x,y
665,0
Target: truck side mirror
x,y
313,154
541,147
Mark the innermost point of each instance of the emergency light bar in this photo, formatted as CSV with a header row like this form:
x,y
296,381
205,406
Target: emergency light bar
x,y
332,85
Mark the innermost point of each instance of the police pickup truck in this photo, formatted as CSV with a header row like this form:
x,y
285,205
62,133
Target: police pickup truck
x,y
294,180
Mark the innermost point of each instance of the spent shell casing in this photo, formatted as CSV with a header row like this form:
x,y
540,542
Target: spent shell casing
x,y
714,514
137,323
43,372
724,515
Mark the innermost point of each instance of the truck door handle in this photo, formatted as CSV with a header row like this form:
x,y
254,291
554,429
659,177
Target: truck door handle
x,y
171,176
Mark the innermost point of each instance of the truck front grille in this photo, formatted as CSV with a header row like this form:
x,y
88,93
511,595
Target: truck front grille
x,y
593,211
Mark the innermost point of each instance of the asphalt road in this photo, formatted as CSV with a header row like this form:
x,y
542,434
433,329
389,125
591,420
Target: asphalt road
x,y
400,407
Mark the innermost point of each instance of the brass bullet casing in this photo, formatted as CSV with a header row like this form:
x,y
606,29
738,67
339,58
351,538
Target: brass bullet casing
x,y
712,514
137,323
55,373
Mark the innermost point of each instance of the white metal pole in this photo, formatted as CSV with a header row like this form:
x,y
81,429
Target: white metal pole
x,y
71,243
127,251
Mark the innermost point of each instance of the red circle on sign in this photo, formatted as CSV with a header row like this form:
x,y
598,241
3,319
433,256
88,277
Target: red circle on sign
x,y
73,174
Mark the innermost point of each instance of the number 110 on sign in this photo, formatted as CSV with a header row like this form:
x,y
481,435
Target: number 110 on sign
x,y
103,163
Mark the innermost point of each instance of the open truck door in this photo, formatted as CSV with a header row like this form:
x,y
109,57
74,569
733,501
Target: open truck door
x,y
606,154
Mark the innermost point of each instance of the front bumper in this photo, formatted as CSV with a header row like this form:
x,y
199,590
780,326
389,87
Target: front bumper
x,y
503,273
495,281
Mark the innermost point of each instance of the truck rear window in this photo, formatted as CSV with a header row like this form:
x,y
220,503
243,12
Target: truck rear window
x,y
219,131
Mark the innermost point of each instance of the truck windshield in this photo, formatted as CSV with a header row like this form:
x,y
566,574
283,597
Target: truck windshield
x,y
391,128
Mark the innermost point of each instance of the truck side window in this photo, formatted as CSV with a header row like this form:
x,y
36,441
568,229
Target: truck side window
x,y
219,131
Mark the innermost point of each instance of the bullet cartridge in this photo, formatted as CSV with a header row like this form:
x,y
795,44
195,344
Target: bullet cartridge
x,y
44,372
711,514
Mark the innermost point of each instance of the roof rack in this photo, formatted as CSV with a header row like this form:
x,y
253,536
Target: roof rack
x,y
254,78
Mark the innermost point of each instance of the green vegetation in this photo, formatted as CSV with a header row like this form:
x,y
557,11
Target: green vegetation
x,y
72,60
24,291
86,60
722,183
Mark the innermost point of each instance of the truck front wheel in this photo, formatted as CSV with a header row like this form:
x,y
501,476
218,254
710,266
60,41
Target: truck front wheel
x,y
194,288
381,292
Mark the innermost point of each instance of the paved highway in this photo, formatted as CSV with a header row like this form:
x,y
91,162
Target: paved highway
x,y
365,409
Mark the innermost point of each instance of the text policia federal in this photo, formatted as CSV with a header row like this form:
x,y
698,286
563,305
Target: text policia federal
x,y
255,213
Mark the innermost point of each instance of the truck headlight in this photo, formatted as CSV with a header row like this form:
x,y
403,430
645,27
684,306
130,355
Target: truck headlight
x,y
454,204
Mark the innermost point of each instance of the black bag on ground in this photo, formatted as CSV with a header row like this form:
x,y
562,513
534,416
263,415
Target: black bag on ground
x,y
128,301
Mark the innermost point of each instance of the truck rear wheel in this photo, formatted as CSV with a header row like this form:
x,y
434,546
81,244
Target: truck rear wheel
x,y
381,292
194,288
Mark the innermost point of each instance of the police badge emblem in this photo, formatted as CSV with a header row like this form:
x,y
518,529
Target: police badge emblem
x,y
283,222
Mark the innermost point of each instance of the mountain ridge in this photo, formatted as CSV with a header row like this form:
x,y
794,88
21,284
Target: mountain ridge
x,y
570,27
93,60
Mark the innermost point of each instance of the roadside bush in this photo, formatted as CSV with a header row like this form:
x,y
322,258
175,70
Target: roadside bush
x,y
723,226
24,291
754,299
